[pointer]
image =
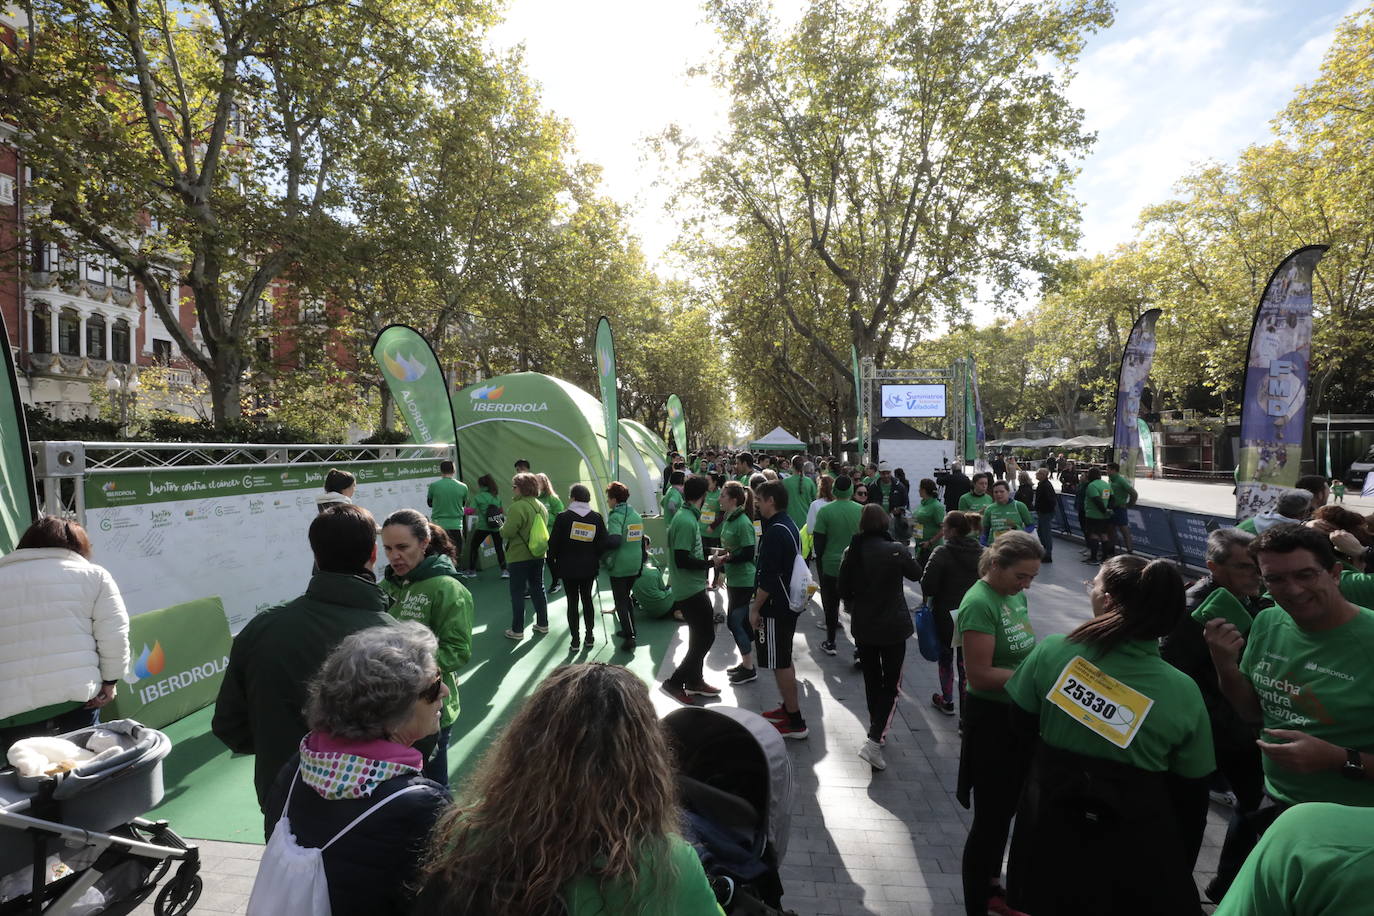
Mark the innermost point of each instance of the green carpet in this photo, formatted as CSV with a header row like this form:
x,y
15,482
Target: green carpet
x,y
209,793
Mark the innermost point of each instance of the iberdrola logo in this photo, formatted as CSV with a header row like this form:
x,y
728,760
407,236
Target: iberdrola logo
x,y
674,412
150,662
487,393
108,486
403,368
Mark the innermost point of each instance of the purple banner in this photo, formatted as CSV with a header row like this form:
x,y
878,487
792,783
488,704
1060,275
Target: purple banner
x,y
1135,369
1274,413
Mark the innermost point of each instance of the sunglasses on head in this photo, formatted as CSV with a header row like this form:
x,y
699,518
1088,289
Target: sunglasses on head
x,y
431,693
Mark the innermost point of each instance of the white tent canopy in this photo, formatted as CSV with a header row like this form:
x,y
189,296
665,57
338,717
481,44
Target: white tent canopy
x,y
778,440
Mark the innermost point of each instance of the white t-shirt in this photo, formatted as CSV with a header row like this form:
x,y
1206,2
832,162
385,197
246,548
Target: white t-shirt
x,y
811,513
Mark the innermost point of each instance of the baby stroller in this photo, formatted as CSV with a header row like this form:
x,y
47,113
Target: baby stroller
x,y
735,778
89,819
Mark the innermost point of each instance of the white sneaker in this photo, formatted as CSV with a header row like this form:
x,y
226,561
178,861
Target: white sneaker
x,y
505,574
513,634
873,754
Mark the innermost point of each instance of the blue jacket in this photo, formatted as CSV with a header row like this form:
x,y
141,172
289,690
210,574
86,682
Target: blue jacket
x,y
776,552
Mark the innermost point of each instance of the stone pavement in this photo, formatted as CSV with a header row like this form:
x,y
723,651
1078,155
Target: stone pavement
x,y
862,842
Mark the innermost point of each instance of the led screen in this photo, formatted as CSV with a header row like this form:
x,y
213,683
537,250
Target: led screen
x,y
913,401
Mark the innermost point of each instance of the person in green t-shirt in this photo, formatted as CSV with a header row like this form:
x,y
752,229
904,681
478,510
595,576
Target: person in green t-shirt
x,y
801,492
687,565
1111,711
710,522
512,844
624,557
996,629
448,498
1316,858
1304,673
836,524
1096,495
977,499
1338,490
1123,496
487,521
929,515
1005,514
671,501
738,541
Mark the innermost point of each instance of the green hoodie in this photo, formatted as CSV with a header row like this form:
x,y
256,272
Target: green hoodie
x,y
520,517
626,559
431,594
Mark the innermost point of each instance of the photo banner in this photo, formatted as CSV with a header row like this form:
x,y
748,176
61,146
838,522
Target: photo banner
x,y
416,382
677,423
605,371
18,497
1147,443
858,403
1273,415
1136,361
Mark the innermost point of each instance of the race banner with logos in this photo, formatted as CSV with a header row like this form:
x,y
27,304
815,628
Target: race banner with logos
x,y
1273,416
18,500
416,382
974,433
1136,361
176,663
605,371
677,421
178,535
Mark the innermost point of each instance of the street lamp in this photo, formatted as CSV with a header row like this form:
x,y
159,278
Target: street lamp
x,y
123,391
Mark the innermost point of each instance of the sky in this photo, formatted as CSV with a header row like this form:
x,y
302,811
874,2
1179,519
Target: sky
x,y
1171,84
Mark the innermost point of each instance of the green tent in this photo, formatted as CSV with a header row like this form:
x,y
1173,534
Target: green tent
x,y
779,440
642,456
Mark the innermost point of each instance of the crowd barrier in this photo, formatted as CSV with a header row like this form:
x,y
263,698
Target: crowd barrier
x,y
1171,533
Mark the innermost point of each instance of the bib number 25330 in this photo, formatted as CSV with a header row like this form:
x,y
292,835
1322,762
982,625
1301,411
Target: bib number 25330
x,y
1099,702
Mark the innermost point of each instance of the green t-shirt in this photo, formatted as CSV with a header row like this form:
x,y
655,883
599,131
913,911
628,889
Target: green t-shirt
x,y
1315,859
1247,525
670,503
625,560
447,499
1091,507
801,493
838,520
1122,491
970,503
1174,735
710,511
999,519
650,593
1358,587
480,501
679,889
736,532
1337,488
684,533
1006,618
930,515
1319,683
552,504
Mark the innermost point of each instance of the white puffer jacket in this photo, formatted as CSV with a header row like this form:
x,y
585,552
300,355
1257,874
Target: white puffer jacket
x,y
63,629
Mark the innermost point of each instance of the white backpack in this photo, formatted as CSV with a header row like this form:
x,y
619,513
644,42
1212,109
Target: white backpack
x,y
799,586
291,877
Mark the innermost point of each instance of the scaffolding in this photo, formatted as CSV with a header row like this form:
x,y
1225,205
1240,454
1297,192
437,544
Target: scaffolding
x,y
955,379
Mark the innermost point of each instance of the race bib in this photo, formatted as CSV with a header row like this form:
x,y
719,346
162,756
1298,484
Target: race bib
x,y
581,531
1099,702
634,533
707,516
758,529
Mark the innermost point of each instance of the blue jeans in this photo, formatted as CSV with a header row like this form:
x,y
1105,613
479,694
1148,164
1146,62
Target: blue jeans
x,y
436,767
1044,529
527,577
738,618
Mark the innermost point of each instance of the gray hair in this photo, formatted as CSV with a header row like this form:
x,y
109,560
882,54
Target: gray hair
x,y
1221,541
1295,504
1008,549
368,685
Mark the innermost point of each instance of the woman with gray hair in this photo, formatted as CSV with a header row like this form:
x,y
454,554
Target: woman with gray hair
x,y
355,791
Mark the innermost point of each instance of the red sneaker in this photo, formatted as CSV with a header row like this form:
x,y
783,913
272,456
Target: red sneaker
x,y
703,689
775,715
677,693
997,905
788,730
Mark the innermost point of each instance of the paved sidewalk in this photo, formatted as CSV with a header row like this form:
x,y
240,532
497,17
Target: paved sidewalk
x,y
862,842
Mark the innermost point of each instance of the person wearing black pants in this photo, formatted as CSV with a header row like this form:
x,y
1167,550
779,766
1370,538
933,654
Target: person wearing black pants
x,y
871,581
688,564
475,544
576,542
699,616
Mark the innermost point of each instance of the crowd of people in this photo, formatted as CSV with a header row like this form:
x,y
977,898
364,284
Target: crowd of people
x,y
1251,684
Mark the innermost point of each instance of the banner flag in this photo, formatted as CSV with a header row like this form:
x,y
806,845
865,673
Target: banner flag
x,y
176,663
417,382
1136,360
1147,443
1273,415
677,422
18,495
858,403
605,371
974,433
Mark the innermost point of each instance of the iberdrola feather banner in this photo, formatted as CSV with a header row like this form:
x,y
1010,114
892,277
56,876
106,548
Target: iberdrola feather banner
x,y
677,422
605,371
858,403
416,382
1136,361
974,433
18,497
1273,417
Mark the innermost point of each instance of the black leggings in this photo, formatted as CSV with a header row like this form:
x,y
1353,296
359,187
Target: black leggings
x,y
475,544
830,605
580,588
456,536
992,769
622,588
882,667
701,633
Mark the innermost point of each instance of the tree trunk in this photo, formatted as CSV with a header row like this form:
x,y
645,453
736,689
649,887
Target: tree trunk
x,y
226,384
388,419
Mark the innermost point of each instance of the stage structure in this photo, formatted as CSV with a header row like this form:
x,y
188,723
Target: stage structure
x,y
914,395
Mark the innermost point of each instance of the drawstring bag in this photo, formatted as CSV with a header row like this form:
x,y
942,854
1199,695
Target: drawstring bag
x,y
291,877
927,639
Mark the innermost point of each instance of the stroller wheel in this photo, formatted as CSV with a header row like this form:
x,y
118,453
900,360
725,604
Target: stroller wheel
x,y
177,898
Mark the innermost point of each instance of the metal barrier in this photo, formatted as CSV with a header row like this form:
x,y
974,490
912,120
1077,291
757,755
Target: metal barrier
x,y
1159,532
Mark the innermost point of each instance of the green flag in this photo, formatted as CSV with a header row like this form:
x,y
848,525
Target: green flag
x,y
970,424
417,383
858,402
677,421
18,498
605,371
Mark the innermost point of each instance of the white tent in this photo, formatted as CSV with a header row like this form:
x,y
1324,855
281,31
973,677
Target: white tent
x,y
778,440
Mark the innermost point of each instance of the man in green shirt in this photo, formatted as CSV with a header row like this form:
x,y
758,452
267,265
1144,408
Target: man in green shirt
x,y
1123,495
1005,514
448,498
1097,515
801,492
836,524
1304,673
672,500
977,499
744,467
687,565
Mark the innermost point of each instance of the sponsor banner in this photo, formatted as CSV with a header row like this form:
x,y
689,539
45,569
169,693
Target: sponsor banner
x,y
605,372
18,499
1155,531
417,383
1147,443
677,421
116,488
1136,360
1273,419
177,660
974,433
1191,530
1151,532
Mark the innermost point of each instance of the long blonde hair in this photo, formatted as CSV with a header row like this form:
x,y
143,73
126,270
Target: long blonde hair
x,y
515,838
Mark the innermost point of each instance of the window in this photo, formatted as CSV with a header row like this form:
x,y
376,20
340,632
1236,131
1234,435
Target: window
x,y
162,352
264,347
42,329
68,333
42,255
96,272
119,340
95,337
